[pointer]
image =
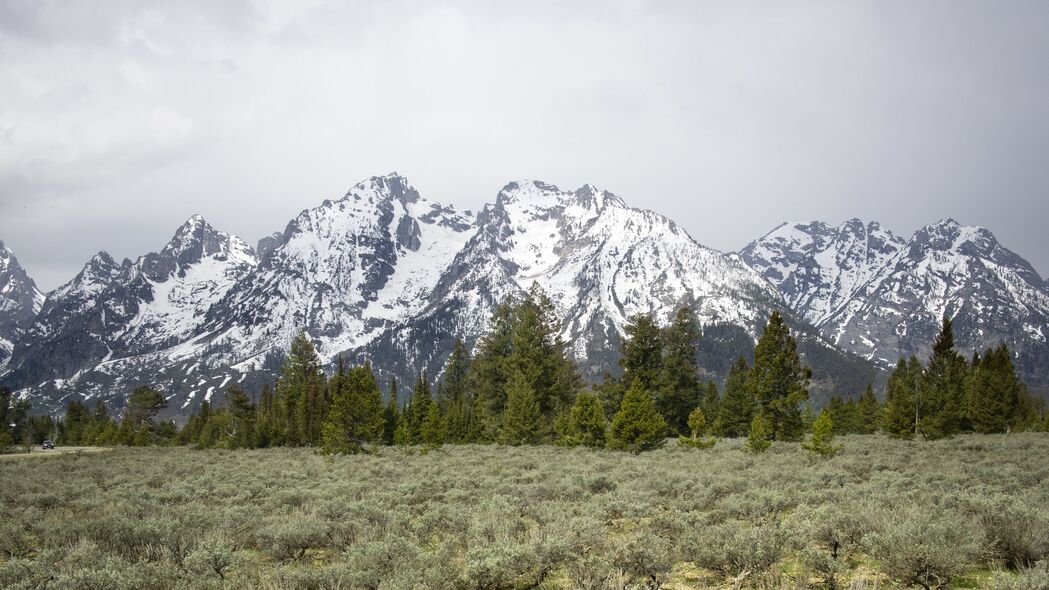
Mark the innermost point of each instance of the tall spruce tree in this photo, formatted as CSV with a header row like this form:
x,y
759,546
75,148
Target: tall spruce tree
x,y
711,406
737,405
942,393
779,380
434,427
452,394
642,353
417,408
680,390
299,388
900,413
523,418
488,372
241,430
994,393
355,419
868,411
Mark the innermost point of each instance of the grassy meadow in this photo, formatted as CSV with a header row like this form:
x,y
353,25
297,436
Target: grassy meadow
x,y
969,512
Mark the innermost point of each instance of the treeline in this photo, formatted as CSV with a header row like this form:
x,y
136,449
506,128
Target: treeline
x,y
522,387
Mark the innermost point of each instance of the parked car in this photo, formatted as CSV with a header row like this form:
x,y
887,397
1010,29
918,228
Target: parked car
x,y
48,445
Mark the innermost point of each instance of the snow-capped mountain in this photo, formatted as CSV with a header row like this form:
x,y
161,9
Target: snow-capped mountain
x,y
344,271
600,262
20,301
384,274
112,311
881,297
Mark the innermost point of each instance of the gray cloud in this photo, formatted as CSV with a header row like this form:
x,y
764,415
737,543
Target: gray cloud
x,y
120,119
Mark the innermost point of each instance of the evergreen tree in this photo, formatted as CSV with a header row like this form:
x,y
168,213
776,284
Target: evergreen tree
x,y
143,405
737,405
642,353
392,414
523,339
638,426
355,419
265,418
711,406
898,417
759,437
402,436
822,442
994,393
241,418
434,427
586,421
488,372
942,391
418,407
452,394
680,390
868,411
299,389
522,420
779,380
453,383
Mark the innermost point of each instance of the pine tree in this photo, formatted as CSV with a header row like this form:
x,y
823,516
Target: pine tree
x,y
994,392
711,405
452,394
143,405
942,390
779,380
822,442
418,407
266,418
392,414
523,338
868,411
759,437
737,405
522,420
637,426
242,418
300,384
355,419
680,390
900,411
402,435
642,353
586,421
434,427
488,372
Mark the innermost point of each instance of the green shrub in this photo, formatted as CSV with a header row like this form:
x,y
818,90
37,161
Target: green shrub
x,y
1034,578
735,549
917,549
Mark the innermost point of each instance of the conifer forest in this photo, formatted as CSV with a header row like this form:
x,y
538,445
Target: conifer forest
x,y
509,471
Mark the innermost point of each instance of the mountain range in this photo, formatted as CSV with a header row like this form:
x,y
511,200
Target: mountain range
x,y
385,274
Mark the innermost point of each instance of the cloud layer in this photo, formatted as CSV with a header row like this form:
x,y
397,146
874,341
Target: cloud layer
x,y
120,119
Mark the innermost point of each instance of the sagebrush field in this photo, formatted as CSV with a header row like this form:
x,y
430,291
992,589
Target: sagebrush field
x,y
972,511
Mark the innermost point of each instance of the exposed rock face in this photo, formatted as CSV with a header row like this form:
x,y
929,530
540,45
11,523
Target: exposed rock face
x,y
20,301
880,296
111,312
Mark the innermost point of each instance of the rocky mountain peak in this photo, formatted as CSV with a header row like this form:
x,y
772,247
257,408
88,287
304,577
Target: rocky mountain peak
x,y
20,301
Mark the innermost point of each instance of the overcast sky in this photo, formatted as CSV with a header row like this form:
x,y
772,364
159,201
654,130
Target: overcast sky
x,y
118,120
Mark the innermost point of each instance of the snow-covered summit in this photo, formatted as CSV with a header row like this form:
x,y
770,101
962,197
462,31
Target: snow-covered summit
x,y
880,296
